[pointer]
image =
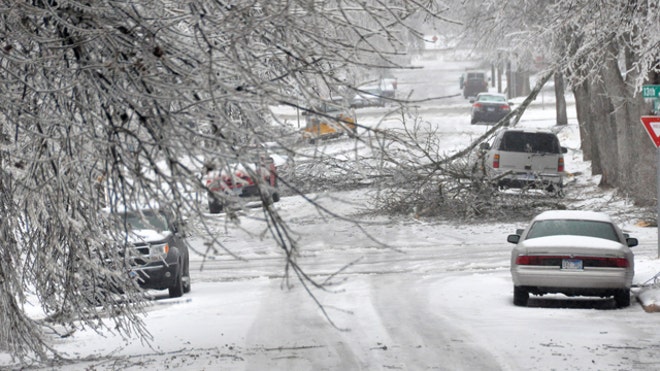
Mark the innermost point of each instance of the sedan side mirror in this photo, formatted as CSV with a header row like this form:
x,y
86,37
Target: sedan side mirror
x,y
632,241
513,238
471,100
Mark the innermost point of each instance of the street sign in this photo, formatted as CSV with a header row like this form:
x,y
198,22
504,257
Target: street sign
x,y
651,91
652,125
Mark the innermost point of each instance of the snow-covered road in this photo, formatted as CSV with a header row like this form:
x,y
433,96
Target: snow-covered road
x,y
401,294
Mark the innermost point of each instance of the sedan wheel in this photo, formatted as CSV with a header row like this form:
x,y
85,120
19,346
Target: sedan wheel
x,y
622,298
520,296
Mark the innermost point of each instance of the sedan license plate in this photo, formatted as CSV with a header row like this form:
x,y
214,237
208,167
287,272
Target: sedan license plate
x,y
571,264
491,109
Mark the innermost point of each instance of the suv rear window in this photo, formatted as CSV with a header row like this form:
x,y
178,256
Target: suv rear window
x,y
513,141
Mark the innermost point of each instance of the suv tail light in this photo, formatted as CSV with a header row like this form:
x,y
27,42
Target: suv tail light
x,y
496,161
560,164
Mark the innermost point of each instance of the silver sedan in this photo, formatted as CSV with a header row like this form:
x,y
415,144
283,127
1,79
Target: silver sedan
x,y
575,253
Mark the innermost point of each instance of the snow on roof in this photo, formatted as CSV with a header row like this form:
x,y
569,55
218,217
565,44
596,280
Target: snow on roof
x,y
574,214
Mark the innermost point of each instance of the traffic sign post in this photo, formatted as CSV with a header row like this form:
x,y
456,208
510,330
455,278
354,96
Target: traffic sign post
x,y
652,125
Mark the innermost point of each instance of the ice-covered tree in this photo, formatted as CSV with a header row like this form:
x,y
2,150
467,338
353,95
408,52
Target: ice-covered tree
x,y
114,103
605,51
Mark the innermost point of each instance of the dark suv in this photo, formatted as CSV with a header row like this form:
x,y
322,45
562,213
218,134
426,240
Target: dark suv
x,y
473,83
159,257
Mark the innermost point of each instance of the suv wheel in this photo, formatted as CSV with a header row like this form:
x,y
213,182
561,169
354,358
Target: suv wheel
x,y
555,190
176,291
186,280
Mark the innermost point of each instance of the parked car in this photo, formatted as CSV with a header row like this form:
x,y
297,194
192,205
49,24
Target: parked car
x,y
159,257
242,179
368,96
525,158
473,83
489,107
575,253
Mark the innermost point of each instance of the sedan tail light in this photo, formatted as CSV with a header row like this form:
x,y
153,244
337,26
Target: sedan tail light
x,y
505,107
477,105
587,261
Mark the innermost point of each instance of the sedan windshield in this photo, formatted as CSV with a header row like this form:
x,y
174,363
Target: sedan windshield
x,y
588,228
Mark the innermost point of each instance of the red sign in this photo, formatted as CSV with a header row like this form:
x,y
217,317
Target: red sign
x,y
652,125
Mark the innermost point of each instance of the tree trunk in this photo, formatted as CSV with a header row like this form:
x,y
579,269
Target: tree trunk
x,y
629,156
582,104
620,103
604,131
560,99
